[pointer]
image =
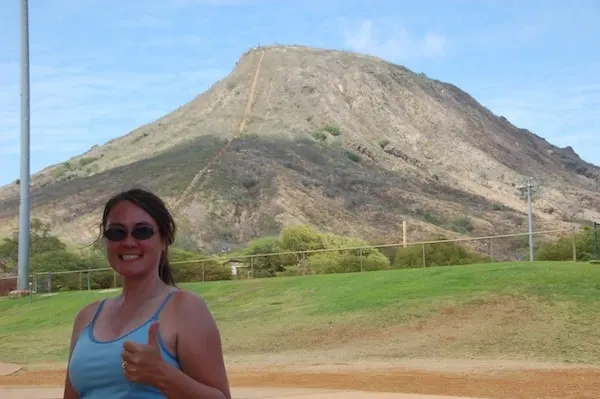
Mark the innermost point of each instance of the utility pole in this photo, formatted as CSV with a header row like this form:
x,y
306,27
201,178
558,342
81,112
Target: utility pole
x,y
527,188
23,260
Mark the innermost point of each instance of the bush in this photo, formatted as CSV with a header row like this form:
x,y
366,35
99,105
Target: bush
x,y
49,267
270,265
352,156
562,249
307,238
438,254
208,270
204,269
383,143
460,224
319,136
335,262
333,130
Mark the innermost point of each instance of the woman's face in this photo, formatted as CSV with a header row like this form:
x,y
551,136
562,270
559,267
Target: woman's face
x,y
130,256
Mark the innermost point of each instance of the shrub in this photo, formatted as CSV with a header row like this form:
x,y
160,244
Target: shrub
x,y
319,136
335,262
383,143
307,238
49,268
205,269
562,249
352,156
460,224
333,130
268,266
438,254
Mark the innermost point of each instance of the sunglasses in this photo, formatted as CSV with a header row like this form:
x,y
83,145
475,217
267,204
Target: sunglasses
x,y
119,234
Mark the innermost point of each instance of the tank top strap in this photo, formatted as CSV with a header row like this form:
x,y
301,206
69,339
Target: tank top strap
x,y
97,313
162,305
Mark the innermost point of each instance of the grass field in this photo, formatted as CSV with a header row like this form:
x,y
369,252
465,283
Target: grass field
x,y
521,311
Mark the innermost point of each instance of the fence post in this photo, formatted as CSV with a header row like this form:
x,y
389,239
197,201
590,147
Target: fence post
x,y
80,281
251,266
574,246
114,279
492,249
596,240
423,250
304,263
89,281
203,272
361,260
49,283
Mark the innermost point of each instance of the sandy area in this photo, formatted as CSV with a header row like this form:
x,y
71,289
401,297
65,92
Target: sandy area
x,y
416,377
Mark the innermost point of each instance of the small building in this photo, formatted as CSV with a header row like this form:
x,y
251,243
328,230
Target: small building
x,y
239,270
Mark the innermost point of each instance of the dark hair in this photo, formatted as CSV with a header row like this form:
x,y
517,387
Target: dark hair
x,y
157,209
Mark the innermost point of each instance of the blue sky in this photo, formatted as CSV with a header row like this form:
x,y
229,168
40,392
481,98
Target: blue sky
x,y
100,68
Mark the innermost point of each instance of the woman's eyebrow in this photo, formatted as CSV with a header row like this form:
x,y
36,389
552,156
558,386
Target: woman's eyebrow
x,y
117,224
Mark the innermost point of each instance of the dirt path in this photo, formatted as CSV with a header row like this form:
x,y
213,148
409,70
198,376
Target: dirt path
x,y
579,383
252,95
242,126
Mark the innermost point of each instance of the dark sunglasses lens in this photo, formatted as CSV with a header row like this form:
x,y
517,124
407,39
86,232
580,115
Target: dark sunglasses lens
x,y
115,234
142,233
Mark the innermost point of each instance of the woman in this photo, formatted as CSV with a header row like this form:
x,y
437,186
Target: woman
x,y
153,340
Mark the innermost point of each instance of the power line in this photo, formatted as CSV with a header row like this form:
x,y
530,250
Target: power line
x,y
528,187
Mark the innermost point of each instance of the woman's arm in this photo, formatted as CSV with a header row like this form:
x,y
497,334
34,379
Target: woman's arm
x,y
200,354
81,320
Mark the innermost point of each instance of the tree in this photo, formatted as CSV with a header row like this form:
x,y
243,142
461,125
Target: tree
x,y
40,241
268,265
300,238
205,269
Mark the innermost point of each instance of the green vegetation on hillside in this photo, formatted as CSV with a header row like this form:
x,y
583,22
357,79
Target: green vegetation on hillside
x,y
562,249
537,311
309,251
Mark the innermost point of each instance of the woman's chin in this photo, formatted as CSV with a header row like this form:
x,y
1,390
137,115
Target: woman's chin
x,y
131,270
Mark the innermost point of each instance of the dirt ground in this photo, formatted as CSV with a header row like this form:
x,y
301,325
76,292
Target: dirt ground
x,y
490,380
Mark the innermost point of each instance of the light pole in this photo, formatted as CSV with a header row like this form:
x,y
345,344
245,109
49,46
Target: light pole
x,y
23,259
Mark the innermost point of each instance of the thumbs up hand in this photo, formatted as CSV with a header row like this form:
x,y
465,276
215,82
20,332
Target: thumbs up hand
x,y
142,362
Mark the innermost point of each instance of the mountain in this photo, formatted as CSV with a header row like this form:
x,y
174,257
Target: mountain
x,y
349,143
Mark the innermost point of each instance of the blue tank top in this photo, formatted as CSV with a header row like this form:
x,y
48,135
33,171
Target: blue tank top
x,y
95,367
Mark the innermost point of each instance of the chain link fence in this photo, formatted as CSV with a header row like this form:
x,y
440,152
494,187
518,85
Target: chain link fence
x,y
447,252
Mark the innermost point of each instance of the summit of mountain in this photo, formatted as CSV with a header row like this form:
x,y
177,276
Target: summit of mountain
x,y
346,142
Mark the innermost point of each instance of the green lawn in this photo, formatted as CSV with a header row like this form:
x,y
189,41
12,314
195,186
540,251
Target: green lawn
x,y
543,311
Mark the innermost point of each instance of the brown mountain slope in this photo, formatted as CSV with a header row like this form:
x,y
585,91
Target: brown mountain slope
x,y
346,142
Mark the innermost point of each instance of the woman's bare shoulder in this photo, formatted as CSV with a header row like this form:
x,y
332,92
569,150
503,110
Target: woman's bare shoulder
x,y
191,307
85,315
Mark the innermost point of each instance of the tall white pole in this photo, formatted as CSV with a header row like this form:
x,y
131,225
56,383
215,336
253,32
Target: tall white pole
x,y
530,217
527,188
23,259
